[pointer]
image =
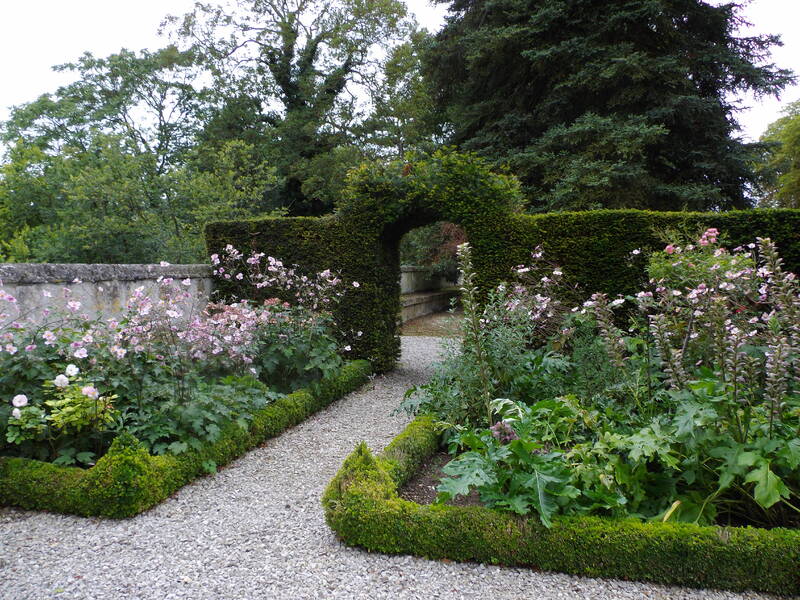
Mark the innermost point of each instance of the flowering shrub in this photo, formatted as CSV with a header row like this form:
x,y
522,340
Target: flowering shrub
x,y
691,414
167,370
495,342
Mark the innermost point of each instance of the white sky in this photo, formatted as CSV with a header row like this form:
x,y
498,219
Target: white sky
x,y
36,34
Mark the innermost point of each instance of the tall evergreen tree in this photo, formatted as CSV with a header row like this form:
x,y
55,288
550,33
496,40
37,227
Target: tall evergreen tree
x,y
605,103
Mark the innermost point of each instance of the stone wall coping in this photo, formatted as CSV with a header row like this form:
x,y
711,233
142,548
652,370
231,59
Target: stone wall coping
x,y
422,297
413,269
33,273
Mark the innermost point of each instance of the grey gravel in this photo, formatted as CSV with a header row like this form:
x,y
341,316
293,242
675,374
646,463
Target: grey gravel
x,y
256,530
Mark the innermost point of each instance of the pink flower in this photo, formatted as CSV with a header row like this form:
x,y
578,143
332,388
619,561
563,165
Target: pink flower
x,y
90,392
61,381
19,400
669,249
80,353
356,284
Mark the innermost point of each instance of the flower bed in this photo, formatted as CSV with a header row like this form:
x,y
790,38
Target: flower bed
x,y
363,507
671,429
128,480
143,402
169,370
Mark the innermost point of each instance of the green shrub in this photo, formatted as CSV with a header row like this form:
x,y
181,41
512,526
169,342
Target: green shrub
x,y
362,506
694,415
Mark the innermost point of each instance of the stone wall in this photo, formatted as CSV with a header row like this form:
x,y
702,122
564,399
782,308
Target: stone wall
x,y
422,294
102,290
419,279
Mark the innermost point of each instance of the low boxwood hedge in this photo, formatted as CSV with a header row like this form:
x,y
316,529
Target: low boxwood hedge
x,y
128,480
363,508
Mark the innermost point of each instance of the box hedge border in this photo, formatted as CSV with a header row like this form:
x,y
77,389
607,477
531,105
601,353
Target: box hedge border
x,y
363,507
128,480
383,202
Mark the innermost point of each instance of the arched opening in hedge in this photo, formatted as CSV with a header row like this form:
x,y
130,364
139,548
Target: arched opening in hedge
x,y
429,279
383,202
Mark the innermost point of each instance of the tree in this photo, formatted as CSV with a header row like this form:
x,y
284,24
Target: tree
x,y
781,162
113,167
152,100
304,61
605,103
404,117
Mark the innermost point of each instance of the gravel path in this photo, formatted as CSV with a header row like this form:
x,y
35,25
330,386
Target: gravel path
x,y
256,530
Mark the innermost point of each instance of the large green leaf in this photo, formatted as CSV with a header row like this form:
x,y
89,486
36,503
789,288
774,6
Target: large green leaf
x,y
769,487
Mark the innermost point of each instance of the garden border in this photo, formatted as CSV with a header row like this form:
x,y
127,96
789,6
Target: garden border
x,y
363,507
128,480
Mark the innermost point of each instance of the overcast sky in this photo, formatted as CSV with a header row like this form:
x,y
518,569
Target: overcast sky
x,y
36,34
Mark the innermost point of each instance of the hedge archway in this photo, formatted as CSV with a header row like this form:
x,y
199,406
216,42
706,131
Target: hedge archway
x,y
361,240
383,202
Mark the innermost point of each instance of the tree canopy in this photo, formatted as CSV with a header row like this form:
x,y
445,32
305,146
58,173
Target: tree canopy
x,y
605,103
780,168
302,64
261,107
254,108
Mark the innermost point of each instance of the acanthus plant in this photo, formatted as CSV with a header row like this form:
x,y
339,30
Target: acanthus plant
x,y
168,370
691,414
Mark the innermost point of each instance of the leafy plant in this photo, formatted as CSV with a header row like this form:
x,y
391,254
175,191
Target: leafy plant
x,y
170,372
691,414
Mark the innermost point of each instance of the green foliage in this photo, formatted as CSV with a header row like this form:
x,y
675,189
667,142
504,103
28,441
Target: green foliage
x,y
433,246
496,337
614,104
780,164
404,118
292,71
362,506
297,352
110,204
128,163
516,476
127,480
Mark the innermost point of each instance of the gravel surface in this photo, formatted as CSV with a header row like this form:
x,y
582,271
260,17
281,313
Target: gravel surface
x,y
256,530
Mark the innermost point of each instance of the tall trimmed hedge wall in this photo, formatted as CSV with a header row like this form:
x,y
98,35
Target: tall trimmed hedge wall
x,y
384,202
